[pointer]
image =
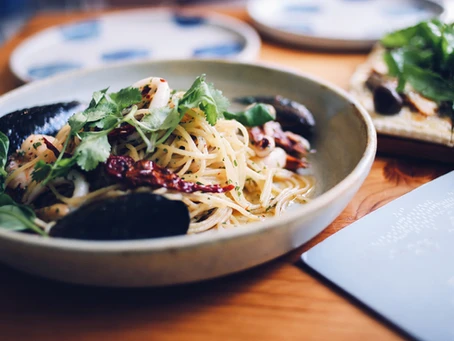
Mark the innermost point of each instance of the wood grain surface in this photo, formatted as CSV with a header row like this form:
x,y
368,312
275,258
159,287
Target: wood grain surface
x,y
275,301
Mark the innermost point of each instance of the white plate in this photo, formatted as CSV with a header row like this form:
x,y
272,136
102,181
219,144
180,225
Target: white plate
x,y
345,141
337,24
133,35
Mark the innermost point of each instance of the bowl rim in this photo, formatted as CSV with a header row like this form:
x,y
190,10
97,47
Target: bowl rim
x,y
251,38
203,239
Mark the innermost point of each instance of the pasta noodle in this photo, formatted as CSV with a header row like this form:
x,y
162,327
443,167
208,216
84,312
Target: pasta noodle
x,y
220,154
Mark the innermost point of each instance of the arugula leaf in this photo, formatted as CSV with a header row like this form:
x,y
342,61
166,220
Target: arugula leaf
x,y
255,116
207,98
17,217
93,149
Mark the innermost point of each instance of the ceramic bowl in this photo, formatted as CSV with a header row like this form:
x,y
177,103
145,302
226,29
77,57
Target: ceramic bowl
x,y
345,141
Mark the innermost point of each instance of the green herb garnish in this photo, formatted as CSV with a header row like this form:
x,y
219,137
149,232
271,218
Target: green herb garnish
x,y
4,146
204,96
17,217
255,116
423,56
107,112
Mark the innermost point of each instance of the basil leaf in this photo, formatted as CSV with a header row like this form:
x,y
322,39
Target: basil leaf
x,y
429,84
423,56
16,217
12,218
399,38
255,116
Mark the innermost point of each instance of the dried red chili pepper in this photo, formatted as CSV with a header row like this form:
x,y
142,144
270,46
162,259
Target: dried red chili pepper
x,y
54,149
149,173
122,131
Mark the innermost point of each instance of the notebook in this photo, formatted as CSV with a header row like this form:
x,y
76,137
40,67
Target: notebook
x,y
399,261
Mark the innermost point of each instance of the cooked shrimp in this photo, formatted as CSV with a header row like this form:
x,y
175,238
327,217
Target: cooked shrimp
x,y
155,92
35,146
31,149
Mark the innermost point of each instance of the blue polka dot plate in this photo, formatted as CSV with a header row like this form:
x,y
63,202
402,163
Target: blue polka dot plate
x,y
337,24
133,35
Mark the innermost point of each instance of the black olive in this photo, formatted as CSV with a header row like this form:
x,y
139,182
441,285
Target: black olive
x,y
387,101
127,217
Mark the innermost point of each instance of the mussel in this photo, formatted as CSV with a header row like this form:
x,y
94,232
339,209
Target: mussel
x,y
139,215
292,116
45,119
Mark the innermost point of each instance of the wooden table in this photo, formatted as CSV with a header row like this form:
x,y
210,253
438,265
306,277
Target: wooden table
x,y
275,301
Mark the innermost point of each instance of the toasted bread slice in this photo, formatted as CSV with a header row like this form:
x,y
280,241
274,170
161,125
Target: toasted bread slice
x,y
407,123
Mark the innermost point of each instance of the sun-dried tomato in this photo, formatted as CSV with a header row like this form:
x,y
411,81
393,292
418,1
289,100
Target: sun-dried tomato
x,y
149,173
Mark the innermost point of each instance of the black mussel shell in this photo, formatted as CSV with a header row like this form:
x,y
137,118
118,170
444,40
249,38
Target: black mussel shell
x,y
127,217
45,119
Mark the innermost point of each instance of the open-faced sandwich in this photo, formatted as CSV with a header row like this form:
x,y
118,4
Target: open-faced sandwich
x,y
407,83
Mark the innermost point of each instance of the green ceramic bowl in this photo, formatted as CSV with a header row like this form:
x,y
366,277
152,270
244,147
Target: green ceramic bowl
x,y
345,141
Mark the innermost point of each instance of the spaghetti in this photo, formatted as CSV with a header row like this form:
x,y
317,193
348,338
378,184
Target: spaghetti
x,y
227,153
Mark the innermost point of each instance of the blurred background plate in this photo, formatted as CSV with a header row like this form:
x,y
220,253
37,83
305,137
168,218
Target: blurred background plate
x,y
133,35
337,24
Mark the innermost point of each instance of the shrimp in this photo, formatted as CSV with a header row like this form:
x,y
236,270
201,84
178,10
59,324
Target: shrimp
x,y
155,92
21,167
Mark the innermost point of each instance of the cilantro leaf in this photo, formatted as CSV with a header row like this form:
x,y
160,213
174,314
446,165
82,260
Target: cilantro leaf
x,y
207,98
126,97
255,116
77,122
45,172
93,149
41,171
162,118
98,96
107,123
105,109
